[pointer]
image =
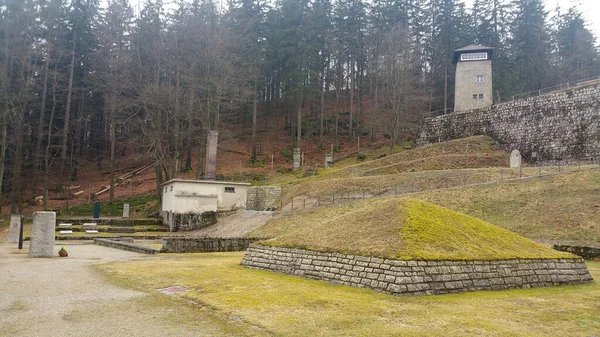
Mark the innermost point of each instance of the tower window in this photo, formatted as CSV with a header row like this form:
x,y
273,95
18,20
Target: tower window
x,y
480,78
473,56
480,96
474,96
229,189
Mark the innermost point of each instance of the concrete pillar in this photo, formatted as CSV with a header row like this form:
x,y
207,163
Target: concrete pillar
x,y
297,159
210,168
15,228
126,210
42,234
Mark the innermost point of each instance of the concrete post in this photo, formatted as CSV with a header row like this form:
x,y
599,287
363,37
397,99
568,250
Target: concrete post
x,y
42,234
210,169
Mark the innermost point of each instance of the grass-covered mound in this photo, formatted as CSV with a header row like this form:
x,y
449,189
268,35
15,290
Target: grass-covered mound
x,y
401,229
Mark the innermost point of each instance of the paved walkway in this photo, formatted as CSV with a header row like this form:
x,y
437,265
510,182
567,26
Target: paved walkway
x,y
66,297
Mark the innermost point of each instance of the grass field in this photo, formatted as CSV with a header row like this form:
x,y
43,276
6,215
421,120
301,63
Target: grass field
x,y
477,149
290,306
560,208
401,229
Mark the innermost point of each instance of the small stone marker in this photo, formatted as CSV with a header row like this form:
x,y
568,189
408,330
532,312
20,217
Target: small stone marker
x,y
91,231
86,226
328,160
14,229
515,159
66,232
126,211
65,225
172,291
42,234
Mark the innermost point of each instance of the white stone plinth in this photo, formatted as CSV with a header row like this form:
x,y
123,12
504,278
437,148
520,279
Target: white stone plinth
x,y
126,211
42,234
515,159
15,228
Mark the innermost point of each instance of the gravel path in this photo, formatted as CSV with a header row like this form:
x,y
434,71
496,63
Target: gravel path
x,y
66,297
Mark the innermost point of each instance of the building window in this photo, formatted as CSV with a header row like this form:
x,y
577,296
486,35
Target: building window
x,y
229,189
480,78
165,189
473,56
474,96
480,96
171,188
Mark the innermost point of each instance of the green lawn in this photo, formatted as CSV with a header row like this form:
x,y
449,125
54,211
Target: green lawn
x,y
291,306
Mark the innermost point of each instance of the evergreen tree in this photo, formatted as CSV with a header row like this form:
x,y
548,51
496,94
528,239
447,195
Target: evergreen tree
x,y
530,47
576,51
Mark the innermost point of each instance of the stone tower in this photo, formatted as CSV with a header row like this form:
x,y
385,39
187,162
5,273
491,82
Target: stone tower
x,y
473,78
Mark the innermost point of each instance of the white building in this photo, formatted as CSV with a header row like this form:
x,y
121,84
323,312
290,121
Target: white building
x,y
199,196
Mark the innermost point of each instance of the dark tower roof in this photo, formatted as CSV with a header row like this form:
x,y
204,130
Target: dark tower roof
x,y
472,49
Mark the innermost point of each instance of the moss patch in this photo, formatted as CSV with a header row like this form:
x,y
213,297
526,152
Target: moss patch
x,y
401,229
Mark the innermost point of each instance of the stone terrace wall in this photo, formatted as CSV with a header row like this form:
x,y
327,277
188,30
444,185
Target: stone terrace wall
x,y
178,222
557,126
588,253
262,198
205,245
418,277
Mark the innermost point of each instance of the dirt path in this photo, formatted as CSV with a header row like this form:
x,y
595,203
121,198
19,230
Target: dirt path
x,y
67,297
235,224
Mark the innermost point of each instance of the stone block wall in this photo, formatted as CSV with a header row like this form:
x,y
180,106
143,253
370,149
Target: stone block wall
x,y
557,126
418,277
206,245
263,198
130,246
177,222
588,253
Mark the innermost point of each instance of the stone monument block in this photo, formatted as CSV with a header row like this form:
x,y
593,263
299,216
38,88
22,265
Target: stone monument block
x,y
42,234
126,210
297,159
328,160
15,228
210,167
515,159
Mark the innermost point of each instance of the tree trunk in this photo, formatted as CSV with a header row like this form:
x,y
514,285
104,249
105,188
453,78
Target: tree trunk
x,y
63,153
112,137
322,112
254,108
40,130
350,131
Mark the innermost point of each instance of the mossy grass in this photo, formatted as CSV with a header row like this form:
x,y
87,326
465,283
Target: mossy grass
x,y
284,305
401,229
472,146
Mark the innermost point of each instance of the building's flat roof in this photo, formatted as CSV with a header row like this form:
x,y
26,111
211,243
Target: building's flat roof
x,y
204,182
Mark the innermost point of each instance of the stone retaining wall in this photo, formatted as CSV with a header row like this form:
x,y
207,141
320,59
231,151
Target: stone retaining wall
x,y
206,245
418,277
126,246
262,198
177,222
588,253
558,126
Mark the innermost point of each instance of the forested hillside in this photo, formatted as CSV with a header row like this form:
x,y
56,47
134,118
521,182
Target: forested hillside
x,y
101,81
